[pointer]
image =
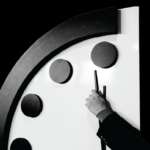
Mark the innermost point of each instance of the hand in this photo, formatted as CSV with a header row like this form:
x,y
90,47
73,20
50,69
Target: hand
x,y
96,102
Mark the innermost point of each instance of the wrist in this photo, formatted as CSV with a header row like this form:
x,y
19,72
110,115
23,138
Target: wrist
x,y
103,114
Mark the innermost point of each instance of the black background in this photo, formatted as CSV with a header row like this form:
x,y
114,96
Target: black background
x,y
23,23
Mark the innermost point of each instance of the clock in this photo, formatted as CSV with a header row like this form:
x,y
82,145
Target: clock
x,y
42,101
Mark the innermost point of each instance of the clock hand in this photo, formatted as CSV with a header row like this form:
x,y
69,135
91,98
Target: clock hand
x,y
96,81
104,94
102,142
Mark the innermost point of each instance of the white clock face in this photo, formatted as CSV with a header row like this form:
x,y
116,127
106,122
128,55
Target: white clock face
x,y
65,123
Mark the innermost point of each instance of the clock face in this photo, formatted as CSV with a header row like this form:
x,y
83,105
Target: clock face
x,y
51,112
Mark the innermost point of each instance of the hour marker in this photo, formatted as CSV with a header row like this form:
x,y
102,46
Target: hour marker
x,y
20,144
104,55
61,71
31,105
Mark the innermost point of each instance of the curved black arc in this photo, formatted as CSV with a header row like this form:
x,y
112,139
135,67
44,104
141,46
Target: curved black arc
x,y
93,24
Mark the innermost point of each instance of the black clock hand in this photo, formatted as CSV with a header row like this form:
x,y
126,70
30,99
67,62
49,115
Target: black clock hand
x,y
103,145
104,94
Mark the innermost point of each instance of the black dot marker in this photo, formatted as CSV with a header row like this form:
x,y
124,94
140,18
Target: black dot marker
x,y
20,144
61,71
31,105
104,55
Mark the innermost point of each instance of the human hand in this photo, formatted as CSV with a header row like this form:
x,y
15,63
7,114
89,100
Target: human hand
x,y
96,102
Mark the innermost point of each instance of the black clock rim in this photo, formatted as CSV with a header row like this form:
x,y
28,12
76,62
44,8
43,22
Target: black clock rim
x,y
85,26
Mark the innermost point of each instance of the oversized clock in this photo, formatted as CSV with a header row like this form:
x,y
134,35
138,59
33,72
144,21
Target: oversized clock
x,y
42,101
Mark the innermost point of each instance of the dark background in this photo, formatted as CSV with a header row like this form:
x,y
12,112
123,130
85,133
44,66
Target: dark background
x,y
22,24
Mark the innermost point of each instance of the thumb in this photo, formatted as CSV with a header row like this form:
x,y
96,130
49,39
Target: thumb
x,y
100,93
95,93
